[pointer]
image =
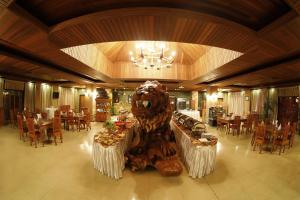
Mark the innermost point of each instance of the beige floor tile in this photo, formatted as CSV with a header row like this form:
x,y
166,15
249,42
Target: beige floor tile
x,y
66,171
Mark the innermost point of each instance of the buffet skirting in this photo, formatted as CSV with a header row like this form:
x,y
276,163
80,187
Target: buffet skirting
x,y
199,159
110,160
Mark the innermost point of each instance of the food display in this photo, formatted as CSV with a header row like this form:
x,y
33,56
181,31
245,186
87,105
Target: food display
x,y
205,140
195,129
154,142
190,123
177,115
182,119
106,138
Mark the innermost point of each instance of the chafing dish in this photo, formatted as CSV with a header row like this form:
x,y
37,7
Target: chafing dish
x,y
190,123
177,116
197,130
182,119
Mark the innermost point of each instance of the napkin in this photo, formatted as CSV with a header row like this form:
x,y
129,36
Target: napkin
x,y
279,127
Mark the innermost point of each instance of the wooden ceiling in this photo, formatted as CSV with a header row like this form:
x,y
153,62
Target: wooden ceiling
x,y
185,53
254,14
32,33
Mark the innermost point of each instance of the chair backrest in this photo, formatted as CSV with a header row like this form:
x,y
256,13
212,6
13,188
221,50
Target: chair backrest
x,y
56,124
260,130
57,113
87,116
84,110
237,120
70,114
30,125
44,115
286,131
65,108
293,128
20,122
27,114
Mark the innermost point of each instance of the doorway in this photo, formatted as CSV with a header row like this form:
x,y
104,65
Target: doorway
x,y
288,109
82,102
12,100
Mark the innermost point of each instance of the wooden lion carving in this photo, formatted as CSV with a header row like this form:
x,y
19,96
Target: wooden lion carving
x,y
154,142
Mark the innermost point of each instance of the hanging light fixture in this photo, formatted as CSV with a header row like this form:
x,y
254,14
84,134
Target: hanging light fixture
x,y
152,54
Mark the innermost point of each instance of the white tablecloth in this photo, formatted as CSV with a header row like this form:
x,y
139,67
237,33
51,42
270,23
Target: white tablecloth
x,y
110,160
50,112
199,160
191,113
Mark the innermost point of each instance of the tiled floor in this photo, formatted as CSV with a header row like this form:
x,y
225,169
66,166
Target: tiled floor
x,y
66,172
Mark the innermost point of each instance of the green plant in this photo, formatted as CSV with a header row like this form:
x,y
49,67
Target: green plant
x,y
110,125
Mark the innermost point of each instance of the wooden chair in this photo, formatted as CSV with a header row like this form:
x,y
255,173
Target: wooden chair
x,y
34,135
84,110
260,138
86,121
56,130
282,139
57,113
22,130
65,108
70,121
220,125
235,126
247,126
292,134
44,115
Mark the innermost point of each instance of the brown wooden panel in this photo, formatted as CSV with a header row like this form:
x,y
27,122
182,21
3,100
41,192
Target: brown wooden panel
x,y
252,13
153,24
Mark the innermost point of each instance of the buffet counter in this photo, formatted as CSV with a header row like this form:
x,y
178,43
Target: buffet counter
x,y
199,156
109,150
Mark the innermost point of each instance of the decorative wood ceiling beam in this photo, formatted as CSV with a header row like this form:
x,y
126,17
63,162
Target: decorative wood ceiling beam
x,y
23,32
23,56
295,4
277,43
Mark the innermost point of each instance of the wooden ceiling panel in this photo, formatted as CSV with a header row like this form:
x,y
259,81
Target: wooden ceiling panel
x,y
264,31
153,24
279,73
186,53
251,13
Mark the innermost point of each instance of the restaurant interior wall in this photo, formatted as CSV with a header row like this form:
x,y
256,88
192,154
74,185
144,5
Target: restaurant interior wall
x,y
124,97
264,101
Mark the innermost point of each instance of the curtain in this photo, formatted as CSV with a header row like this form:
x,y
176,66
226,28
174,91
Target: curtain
x,y
46,96
236,103
273,104
67,97
288,91
258,99
29,96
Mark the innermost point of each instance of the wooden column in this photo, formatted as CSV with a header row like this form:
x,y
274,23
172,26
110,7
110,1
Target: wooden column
x,y
38,103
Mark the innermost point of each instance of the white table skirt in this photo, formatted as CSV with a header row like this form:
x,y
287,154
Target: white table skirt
x,y
191,113
110,160
199,160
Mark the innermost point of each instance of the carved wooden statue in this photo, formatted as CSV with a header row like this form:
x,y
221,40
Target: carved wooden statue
x,y
154,142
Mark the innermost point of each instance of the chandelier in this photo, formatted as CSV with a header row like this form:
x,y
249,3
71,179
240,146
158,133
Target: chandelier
x,y
153,55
